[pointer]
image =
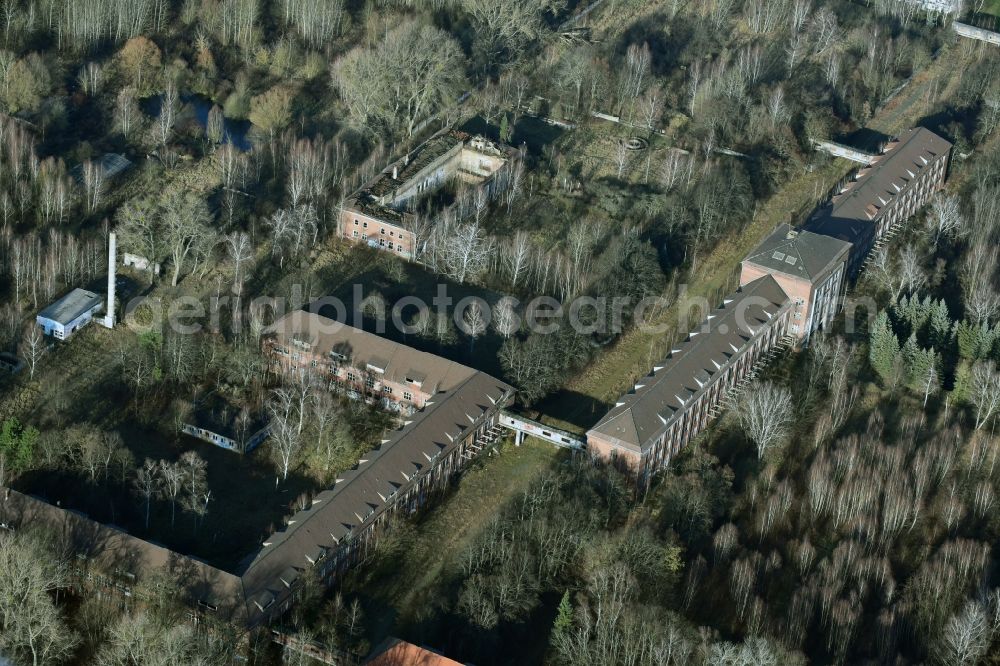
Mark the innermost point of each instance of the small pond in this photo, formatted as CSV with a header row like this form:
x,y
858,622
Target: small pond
x,y
195,108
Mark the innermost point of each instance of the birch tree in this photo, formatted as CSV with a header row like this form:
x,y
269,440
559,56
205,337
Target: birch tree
x,y
944,219
32,630
171,484
168,113
474,322
465,252
966,636
32,347
146,482
196,493
765,413
93,184
240,252
286,433
984,391
516,257
505,318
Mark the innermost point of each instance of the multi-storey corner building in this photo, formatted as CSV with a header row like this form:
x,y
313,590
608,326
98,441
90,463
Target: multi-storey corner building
x,y
362,365
381,212
810,268
884,194
792,285
672,404
454,414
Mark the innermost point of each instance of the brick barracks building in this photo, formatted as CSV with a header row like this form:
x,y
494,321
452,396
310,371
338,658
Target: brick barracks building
x,y
453,414
677,400
792,285
809,268
884,194
380,213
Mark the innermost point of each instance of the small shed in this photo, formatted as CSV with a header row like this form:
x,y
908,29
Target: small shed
x,y
70,313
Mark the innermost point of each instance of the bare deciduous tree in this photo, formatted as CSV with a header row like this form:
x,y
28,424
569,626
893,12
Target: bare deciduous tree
x,y
171,484
145,483
33,629
944,219
93,184
126,111
32,347
186,228
966,636
765,412
505,318
475,319
984,391
286,433
464,251
621,155
168,113
240,251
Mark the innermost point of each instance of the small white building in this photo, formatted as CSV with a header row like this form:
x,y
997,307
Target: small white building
x,y
70,313
140,263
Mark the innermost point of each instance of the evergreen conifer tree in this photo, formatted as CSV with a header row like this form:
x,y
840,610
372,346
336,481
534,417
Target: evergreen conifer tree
x,y
564,618
883,349
929,382
914,361
939,329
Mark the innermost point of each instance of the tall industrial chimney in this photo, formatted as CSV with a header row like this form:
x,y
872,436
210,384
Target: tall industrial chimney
x,y
109,317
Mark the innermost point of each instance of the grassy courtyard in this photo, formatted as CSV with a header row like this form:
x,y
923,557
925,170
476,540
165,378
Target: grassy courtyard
x,y
402,588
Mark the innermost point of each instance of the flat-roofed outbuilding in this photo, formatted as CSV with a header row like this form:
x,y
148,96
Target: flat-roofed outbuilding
x,y
70,313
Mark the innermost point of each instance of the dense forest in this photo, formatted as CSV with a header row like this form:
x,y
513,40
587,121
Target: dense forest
x,y
860,528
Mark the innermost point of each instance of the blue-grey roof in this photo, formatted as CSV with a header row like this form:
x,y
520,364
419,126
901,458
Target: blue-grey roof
x,y
801,254
71,306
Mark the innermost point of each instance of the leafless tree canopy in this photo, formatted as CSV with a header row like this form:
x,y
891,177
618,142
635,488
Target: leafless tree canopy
x,y
765,412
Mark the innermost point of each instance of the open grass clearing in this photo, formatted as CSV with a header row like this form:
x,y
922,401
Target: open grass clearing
x,y
402,588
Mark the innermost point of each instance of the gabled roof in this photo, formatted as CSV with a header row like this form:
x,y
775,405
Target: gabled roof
x,y
662,396
395,652
71,306
461,398
390,360
849,215
359,495
115,550
801,254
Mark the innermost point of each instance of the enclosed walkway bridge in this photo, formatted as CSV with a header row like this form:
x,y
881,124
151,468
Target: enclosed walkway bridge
x,y
524,426
840,150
